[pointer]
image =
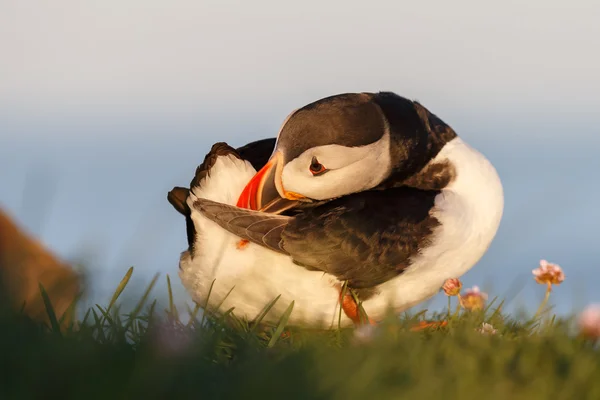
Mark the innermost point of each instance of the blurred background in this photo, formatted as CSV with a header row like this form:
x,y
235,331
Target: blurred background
x,y
106,105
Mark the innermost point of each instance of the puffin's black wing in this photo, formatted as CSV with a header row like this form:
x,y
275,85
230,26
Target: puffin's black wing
x,y
258,227
366,238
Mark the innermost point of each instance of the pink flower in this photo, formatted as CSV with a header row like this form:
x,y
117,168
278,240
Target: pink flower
x,y
589,322
487,329
548,273
452,287
473,299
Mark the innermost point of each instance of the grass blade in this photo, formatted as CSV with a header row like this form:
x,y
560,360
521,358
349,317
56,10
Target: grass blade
x,y
491,303
238,324
69,314
50,311
141,303
497,311
106,315
206,303
151,310
263,313
85,317
220,304
282,322
343,295
120,288
100,326
193,315
225,315
362,313
225,298
172,309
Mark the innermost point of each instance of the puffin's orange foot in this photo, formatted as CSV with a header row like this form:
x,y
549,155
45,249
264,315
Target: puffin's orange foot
x,y
351,309
422,325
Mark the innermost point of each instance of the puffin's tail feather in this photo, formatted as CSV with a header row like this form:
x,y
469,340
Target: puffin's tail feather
x,y
203,170
177,198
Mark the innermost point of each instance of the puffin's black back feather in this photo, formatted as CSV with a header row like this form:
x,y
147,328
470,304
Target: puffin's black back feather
x,y
258,152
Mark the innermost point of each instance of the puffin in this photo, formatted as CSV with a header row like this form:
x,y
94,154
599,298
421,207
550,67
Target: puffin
x,y
362,205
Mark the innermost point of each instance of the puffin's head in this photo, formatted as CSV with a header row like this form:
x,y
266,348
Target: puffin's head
x,y
336,146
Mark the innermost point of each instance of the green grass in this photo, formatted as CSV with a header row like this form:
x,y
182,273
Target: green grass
x,y
115,354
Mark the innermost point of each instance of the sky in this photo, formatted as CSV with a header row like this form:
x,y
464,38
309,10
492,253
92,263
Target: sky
x,y
105,106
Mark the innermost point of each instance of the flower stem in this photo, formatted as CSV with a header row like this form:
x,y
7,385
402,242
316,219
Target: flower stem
x,y
458,305
449,305
546,297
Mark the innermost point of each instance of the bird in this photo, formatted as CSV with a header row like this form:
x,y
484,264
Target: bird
x,y
364,203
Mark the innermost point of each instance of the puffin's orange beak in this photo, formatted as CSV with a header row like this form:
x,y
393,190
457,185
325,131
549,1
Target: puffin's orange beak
x,y
265,191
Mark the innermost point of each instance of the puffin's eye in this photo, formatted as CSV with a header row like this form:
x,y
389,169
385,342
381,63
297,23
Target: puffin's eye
x,y
316,168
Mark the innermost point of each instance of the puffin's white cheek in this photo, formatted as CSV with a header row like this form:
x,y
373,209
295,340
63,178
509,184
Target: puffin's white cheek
x,y
330,185
293,182
303,184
